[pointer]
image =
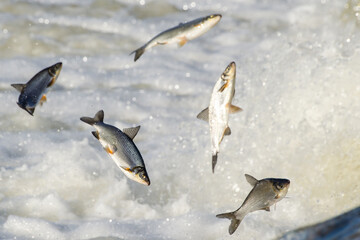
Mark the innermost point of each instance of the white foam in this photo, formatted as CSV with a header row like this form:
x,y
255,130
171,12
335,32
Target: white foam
x,y
297,81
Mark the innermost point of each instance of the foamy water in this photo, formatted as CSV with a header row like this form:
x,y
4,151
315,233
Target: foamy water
x,y
297,81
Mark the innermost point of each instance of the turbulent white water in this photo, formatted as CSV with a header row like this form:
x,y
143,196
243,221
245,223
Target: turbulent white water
x,y
298,81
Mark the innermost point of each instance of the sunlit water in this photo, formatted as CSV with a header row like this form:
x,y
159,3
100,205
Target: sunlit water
x,y
298,81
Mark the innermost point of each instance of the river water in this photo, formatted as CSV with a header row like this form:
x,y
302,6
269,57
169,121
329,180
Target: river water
x,y
297,81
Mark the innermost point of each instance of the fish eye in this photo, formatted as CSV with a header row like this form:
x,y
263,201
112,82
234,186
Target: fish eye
x,y
142,176
279,186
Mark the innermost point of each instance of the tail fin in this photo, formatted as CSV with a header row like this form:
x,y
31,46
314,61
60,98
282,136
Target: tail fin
x,y
234,221
99,117
30,110
138,52
214,161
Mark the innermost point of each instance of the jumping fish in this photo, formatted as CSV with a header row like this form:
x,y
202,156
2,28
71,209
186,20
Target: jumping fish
x,y
265,193
181,33
217,114
34,91
120,146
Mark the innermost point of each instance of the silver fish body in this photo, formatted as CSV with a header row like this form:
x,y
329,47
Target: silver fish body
x,y
120,146
217,114
181,33
265,193
34,90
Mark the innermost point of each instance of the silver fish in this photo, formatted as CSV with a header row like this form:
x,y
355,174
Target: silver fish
x,y
120,146
34,91
217,114
181,33
265,193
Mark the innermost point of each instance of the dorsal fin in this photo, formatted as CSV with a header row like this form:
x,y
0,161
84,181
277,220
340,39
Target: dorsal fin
x,y
204,115
19,86
253,181
131,132
99,116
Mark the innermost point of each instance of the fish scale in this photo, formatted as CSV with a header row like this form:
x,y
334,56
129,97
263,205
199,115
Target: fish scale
x,y
265,193
34,90
120,146
180,34
217,114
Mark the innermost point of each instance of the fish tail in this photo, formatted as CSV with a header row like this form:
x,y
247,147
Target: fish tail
x,y
99,117
138,52
214,161
235,222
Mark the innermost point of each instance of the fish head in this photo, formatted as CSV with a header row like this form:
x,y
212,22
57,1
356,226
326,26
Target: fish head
x,y
229,72
280,187
228,77
138,174
204,24
55,69
212,20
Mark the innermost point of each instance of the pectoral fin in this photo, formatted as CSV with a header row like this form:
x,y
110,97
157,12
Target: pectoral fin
x,y
51,82
182,41
111,149
224,86
204,115
43,99
126,169
131,132
266,209
235,109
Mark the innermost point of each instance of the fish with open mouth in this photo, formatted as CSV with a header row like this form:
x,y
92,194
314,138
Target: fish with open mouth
x,y
120,146
264,194
34,91
181,33
217,114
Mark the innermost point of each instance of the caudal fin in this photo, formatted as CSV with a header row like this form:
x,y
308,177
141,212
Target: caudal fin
x,y
138,52
214,161
99,117
234,221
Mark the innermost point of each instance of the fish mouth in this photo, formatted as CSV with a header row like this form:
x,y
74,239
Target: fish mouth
x,y
55,69
230,69
215,16
281,188
137,174
213,19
